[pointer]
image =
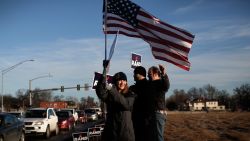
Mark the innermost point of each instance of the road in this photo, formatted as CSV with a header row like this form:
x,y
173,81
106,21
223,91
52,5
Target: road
x,y
64,135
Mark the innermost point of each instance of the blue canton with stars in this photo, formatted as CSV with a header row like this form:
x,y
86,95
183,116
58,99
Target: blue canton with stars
x,y
125,9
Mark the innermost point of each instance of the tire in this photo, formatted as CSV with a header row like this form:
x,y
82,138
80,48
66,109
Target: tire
x,y
22,137
47,133
57,130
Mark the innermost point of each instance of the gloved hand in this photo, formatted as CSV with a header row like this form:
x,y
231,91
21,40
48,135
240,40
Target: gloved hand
x,y
162,69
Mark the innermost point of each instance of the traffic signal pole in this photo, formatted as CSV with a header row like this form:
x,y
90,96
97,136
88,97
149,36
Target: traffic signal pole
x,y
62,88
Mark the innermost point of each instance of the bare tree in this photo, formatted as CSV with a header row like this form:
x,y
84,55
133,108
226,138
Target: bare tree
x,y
193,93
242,96
177,100
38,96
59,98
210,91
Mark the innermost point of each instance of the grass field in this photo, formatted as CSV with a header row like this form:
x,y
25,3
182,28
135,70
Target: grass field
x,y
212,126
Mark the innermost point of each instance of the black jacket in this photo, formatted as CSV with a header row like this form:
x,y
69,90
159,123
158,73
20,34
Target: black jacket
x,y
142,110
143,99
158,89
118,126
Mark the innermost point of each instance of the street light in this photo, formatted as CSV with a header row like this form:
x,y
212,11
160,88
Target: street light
x,y
35,79
7,70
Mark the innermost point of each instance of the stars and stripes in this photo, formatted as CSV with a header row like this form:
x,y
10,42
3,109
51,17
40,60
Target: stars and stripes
x,y
167,42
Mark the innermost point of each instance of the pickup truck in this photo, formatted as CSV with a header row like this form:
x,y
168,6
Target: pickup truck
x,y
41,121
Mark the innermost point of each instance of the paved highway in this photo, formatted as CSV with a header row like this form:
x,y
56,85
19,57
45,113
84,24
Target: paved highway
x,y
65,135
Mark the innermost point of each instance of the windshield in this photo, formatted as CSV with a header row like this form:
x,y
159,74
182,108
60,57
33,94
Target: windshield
x,y
1,121
62,114
92,111
36,114
18,115
68,110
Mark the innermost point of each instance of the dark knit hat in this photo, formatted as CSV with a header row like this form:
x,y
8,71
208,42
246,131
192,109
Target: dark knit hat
x,y
140,70
119,76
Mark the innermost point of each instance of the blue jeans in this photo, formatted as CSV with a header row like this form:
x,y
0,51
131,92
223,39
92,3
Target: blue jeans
x,y
160,125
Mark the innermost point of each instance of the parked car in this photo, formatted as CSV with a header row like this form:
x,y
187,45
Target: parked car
x,y
91,114
82,117
41,121
65,120
73,111
98,111
11,129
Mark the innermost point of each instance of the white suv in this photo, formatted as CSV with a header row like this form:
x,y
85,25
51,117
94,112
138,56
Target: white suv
x,y
41,121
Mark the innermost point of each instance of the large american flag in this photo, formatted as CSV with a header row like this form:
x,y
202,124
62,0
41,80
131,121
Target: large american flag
x,y
167,42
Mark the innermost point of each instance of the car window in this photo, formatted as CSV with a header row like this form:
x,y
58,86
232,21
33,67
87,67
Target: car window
x,y
9,120
51,112
80,113
1,121
89,111
36,114
69,110
18,115
63,114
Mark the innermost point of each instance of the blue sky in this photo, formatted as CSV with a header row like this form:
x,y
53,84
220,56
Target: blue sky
x,y
65,39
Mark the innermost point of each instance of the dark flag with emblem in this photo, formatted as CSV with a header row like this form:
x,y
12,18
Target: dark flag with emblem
x,y
167,42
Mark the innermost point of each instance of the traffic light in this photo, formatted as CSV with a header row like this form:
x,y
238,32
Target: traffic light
x,y
86,86
78,87
62,88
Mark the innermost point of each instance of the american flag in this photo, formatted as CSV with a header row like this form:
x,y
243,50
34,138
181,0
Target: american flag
x,y
167,42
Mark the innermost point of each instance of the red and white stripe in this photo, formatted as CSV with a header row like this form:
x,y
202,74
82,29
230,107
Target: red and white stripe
x,y
167,42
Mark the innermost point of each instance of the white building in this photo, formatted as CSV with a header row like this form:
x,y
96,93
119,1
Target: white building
x,y
211,105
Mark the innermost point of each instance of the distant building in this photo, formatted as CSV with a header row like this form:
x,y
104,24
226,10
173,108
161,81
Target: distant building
x,y
201,104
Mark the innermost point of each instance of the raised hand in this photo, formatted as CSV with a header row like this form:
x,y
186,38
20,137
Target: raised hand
x,y
162,69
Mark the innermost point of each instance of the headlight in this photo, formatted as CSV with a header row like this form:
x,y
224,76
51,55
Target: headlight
x,y
93,115
39,123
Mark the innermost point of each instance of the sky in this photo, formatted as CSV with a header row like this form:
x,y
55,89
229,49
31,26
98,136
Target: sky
x,y
65,39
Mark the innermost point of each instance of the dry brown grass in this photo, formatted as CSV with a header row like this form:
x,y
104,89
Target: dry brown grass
x,y
212,126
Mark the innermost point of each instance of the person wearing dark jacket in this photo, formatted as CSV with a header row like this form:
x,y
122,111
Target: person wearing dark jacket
x,y
159,85
142,110
119,101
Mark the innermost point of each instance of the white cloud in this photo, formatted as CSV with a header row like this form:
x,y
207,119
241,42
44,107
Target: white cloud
x,y
189,7
223,32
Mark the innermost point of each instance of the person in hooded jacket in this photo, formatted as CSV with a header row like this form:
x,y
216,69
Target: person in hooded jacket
x,y
119,102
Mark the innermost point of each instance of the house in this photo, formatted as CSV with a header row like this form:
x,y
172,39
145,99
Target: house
x,y
203,104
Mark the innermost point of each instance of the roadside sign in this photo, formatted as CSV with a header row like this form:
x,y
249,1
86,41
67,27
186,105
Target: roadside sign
x,y
98,76
81,136
101,126
94,131
135,60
